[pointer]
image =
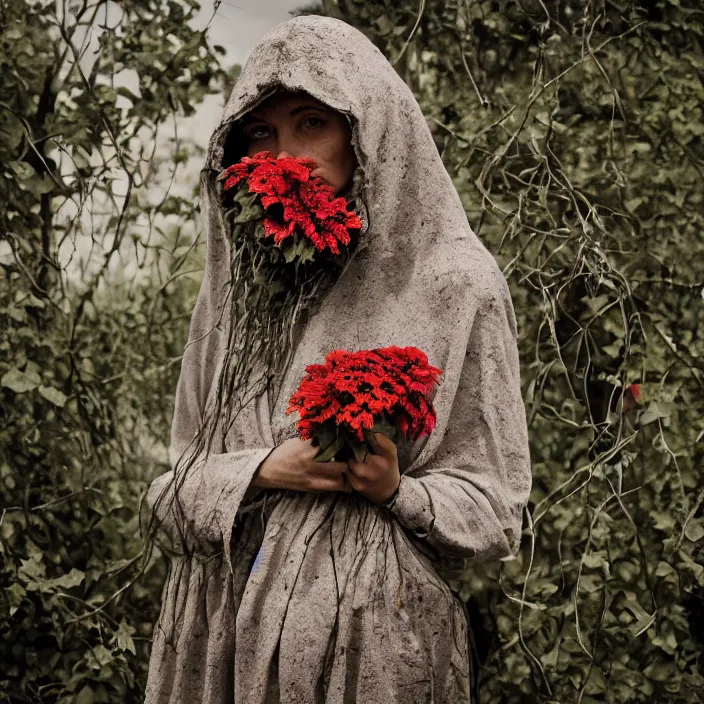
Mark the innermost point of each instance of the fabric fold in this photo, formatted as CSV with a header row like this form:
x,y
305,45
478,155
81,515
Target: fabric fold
x,y
468,499
202,507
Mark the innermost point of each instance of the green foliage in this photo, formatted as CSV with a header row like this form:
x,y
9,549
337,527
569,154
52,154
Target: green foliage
x,y
573,132
96,249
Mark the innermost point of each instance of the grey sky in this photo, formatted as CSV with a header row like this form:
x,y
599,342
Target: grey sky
x,y
239,24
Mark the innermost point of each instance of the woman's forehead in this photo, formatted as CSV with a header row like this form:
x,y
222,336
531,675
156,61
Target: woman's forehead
x,y
286,102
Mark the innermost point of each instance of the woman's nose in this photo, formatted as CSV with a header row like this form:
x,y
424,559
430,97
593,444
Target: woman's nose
x,y
287,143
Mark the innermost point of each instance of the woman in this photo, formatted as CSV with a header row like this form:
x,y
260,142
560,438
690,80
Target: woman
x,y
332,587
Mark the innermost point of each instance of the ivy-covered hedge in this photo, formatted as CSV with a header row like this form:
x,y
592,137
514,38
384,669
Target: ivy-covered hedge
x,y
573,132
94,310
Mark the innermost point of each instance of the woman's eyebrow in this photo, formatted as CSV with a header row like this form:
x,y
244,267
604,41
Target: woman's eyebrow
x,y
308,106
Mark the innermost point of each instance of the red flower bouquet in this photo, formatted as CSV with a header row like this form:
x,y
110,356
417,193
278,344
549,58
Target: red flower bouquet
x,y
297,209
384,390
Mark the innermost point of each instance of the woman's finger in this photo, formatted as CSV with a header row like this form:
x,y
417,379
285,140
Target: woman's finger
x,y
388,446
355,482
321,484
359,470
328,469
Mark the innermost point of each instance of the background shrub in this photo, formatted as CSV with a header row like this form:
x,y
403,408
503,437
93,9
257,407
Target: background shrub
x,y
573,132
95,297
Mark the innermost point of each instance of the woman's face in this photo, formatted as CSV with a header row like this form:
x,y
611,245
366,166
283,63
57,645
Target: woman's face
x,y
296,124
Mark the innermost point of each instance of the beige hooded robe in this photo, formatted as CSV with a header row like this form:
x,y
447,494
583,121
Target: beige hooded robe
x,y
326,597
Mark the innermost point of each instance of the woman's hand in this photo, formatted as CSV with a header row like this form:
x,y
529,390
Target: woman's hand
x,y
291,466
378,476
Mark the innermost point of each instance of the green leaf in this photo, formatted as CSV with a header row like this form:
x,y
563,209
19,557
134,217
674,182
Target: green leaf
x,y
643,618
387,428
72,579
102,655
305,250
359,449
596,683
15,594
593,560
549,657
18,381
327,434
17,314
654,411
53,395
659,672
245,197
31,301
665,570
289,251
260,234
40,185
249,207
124,637
85,696
32,569
695,530
250,212
23,170
330,452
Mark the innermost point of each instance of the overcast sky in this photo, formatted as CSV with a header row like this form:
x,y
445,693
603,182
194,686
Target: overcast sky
x,y
239,24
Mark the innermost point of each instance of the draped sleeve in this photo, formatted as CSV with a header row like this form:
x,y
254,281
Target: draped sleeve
x,y
200,505
467,500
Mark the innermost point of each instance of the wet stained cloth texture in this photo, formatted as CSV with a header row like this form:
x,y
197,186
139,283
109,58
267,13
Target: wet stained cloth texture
x,y
308,598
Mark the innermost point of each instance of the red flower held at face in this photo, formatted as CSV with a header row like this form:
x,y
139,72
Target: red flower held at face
x,y
358,390
295,201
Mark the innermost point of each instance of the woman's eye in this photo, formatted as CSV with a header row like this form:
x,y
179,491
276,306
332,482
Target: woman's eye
x,y
258,132
313,123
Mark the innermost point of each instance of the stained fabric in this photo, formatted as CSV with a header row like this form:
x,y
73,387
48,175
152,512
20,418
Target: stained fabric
x,y
297,597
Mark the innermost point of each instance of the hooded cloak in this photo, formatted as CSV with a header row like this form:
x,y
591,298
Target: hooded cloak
x,y
326,597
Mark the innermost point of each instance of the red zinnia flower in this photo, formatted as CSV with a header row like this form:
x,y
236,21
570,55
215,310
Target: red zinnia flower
x,y
296,203
357,389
